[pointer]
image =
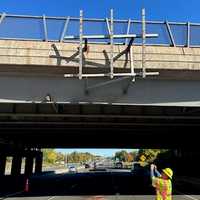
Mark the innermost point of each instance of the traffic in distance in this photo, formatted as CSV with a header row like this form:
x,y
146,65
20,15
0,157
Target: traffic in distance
x,y
118,176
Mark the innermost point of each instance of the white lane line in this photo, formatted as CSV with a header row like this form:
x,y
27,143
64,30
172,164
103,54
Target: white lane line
x,y
188,196
10,195
51,198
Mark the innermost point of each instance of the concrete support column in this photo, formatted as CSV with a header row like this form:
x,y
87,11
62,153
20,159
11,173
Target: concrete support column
x,y
16,165
38,162
2,164
29,165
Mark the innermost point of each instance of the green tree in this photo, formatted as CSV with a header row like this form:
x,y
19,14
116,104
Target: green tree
x,y
49,156
150,154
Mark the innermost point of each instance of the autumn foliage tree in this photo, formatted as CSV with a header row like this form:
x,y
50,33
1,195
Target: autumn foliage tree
x,y
125,156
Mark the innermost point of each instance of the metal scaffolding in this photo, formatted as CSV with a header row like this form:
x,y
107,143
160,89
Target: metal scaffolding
x,y
111,36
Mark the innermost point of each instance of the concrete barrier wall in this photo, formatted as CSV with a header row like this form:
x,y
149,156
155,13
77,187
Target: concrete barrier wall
x,y
66,54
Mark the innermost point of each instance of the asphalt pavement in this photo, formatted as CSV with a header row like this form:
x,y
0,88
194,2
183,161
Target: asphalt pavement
x,y
103,185
102,197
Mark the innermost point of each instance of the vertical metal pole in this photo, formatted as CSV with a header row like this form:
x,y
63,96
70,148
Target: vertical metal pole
x,y
131,62
128,30
188,34
64,29
143,44
45,28
81,45
111,43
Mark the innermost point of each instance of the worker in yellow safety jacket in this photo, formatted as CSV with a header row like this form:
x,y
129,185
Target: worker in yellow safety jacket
x,y
162,183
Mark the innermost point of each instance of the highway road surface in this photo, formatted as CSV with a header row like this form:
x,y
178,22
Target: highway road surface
x,y
100,197
104,185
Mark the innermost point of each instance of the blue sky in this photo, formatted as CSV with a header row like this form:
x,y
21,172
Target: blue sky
x,y
101,152
173,10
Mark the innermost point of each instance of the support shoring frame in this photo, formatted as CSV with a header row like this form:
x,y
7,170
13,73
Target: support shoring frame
x,y
120,76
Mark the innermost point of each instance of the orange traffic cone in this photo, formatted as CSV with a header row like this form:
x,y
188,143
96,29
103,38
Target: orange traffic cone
x,y
26,189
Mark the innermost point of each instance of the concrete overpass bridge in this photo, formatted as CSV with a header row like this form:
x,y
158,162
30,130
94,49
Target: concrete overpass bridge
x,y
46,101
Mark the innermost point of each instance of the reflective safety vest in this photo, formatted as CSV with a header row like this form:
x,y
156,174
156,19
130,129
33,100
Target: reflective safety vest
x,y
163,188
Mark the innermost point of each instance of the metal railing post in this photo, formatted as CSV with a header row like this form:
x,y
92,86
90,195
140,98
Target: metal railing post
x,y
45,28
188,34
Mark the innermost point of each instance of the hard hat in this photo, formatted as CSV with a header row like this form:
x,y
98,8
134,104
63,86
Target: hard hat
x,y
168,172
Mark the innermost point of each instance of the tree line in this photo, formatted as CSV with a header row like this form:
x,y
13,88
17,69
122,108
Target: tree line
x,y
50,156
148,155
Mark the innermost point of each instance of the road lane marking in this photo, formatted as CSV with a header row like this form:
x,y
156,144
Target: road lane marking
x,y
186,195
51,198
10,195
190,197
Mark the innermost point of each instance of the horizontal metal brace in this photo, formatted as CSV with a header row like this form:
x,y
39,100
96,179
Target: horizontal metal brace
x,y
99,75
148,73
108,75
71,37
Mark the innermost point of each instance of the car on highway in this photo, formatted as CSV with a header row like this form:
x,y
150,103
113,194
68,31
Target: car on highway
x,y
87,166
119,165
72,169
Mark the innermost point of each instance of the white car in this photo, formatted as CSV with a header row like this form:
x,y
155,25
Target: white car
x,y
72,169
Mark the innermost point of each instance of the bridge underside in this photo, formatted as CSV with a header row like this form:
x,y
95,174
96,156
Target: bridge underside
x,y
42,125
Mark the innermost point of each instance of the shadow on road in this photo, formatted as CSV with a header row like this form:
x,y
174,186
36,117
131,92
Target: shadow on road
x,y
91,183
